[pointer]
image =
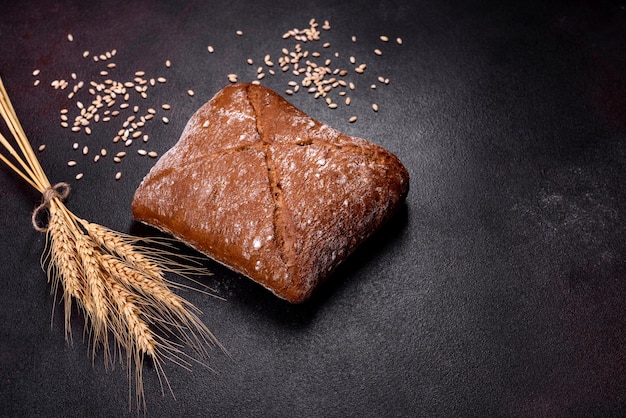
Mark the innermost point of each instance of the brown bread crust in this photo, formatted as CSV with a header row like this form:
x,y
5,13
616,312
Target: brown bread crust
x,y
263,188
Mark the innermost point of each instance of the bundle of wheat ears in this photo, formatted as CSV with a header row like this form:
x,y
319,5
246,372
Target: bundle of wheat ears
x,y
117,280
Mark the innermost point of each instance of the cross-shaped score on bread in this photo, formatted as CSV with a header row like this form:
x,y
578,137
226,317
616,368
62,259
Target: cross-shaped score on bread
x,y
274,194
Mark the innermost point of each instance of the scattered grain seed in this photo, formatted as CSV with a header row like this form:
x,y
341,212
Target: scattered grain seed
x,y
374,107
41,147
85,150
352,119
87,130
353,38
211,49
103,152
168,63
161,79
121,154
165,119
166,106
117,159
36,83
399,41
75,145
85,54
239,33
71,163
96,158
142,152
145,138
190,92
75,128
136,134
384,38
128,143
348,101
249,61
70,37
152,154
79,176
118,175
378,51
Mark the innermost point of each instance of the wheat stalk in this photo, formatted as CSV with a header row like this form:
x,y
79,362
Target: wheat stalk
x,y
116,280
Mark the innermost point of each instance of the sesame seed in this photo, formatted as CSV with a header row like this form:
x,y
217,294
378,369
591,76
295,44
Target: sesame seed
x,y
121,154
85,150
96,158
384,38
71,163
399,41
41,147
117,159
374,107
103,152
85,54
352,119
166,106
353,38
239,33
75,145
249,61
348,101
152,154
190,92
378,51
36,73
36,83
142,152
79,176
118,175
165,119
70,37
161,79
168,63
210,49
128,143
145,138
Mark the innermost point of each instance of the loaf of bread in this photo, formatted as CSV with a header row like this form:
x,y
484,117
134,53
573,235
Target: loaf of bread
x,y
270,192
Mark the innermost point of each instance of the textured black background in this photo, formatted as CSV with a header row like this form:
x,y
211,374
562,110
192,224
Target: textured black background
x,y
498,291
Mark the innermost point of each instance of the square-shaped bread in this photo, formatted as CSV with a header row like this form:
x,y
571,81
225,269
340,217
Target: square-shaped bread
x,y
274,194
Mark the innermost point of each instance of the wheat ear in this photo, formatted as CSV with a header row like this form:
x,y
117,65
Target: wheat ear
x,y
116,281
